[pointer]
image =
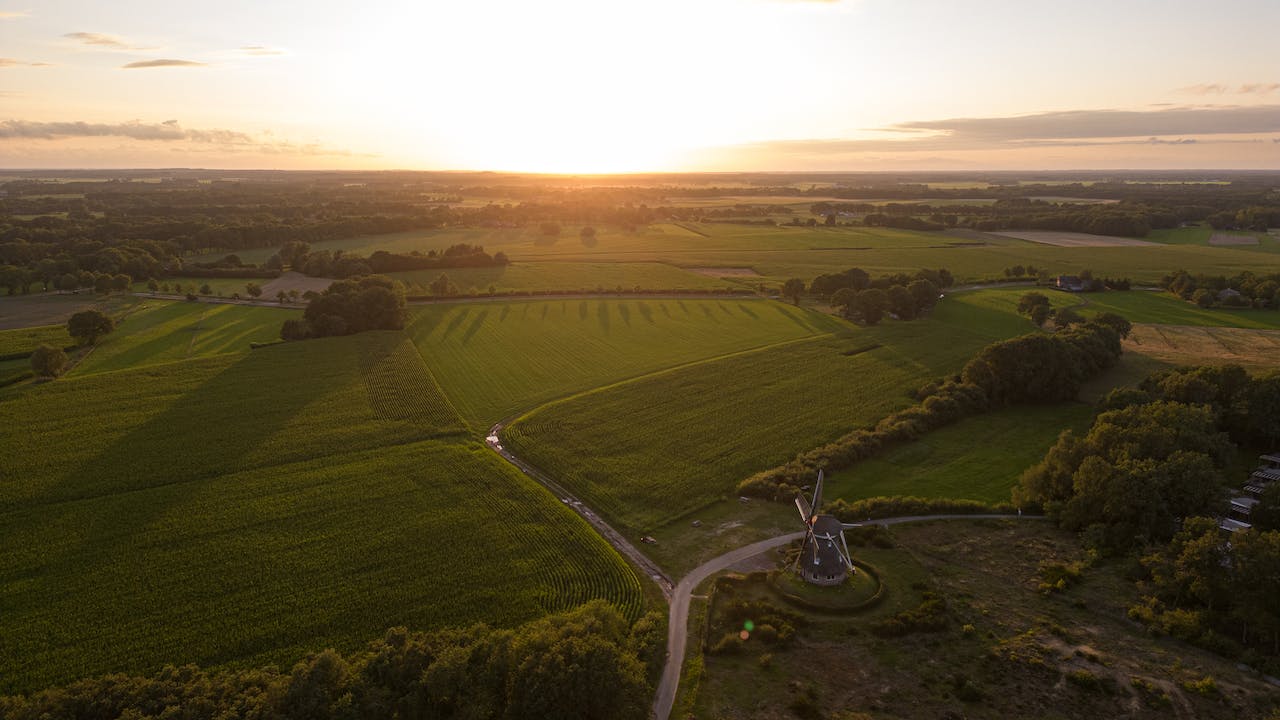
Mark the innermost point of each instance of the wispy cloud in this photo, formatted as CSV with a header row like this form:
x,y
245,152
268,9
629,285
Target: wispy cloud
x,y
260,50
162,62
1259,88
1177,126
1221,89
13,14
170,131
13,62
106,41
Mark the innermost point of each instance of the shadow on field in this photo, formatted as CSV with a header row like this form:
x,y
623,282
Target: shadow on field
x,y
232,414
602,316
475,326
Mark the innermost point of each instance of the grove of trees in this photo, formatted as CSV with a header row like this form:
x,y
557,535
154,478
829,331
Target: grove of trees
x,y
373,302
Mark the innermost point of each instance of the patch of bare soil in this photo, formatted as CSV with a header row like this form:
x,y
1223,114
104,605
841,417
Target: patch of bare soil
x,y
1072,239
19,311
295,281
1193,345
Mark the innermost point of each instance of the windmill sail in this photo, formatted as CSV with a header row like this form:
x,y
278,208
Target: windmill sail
x,y
806,512
817,495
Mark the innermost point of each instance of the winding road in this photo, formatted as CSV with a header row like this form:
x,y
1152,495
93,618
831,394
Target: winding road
x,y
679,595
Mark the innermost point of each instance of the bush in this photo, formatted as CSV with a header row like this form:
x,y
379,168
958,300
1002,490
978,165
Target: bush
x,y
48,361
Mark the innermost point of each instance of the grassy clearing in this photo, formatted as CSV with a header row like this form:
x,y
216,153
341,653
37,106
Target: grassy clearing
x,y
164,331
496,359
266,565
1165,308
978,458
1005,651
647,452
24,340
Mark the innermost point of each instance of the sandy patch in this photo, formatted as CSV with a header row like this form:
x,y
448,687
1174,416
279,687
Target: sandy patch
x,y
295,281
1071,239
1225,239
719,272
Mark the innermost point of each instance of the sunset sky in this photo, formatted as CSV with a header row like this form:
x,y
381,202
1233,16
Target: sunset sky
x,y
619,86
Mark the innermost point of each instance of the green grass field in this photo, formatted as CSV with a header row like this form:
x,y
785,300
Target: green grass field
x,y
248,508
24,340
978,458
164,331
496,359
647,452
1167,309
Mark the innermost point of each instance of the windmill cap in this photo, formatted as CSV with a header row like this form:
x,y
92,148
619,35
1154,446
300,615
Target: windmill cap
x,y
827,525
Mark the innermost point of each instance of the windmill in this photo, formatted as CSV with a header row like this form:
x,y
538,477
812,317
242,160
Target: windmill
x,y
824,555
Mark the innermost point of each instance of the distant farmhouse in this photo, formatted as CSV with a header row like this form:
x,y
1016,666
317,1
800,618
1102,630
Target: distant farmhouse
x,y
1242,505
1070,283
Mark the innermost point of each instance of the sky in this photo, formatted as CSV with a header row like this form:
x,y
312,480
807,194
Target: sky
x,y
586,86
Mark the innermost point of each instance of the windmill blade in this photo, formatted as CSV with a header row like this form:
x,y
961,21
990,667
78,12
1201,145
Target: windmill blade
x,y
848,559
806,512
815,546
817,495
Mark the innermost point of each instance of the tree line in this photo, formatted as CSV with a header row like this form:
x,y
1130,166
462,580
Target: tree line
x,y
1247,289
859,297
587,664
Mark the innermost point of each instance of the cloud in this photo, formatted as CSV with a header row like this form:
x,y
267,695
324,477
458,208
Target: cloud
x,y
163,62
1080,128
106,41
1203,89
12,62
1258,88
13,14
1221,89
169,131
260,50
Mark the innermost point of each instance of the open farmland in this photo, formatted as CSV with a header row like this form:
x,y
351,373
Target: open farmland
x,y
495,359
573,276
1142,306
22,311
1195,345
243,510
1072,239
24,340
163,331
647,452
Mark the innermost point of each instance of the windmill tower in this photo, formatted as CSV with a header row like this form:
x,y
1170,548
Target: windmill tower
x,y
824,555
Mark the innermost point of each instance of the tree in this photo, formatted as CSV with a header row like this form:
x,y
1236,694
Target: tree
x,y
793,289
588,236
153,286
281,297
89,325
295,329
48,361
68,282
254,289
925,293
441,286
845,299
901,303
1203,297
206,289
121,282
1040,314
102,284
1066,317
1030,301
870,305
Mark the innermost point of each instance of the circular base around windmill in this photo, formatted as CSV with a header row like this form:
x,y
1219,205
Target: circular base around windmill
x,y
860,591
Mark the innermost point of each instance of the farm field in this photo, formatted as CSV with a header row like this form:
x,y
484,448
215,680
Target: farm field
x,y
524,276
778,253
496,359
979,458
51,308
24,340
242,510
265,565
1072,239
163,331
647,452
1254,349
1143,306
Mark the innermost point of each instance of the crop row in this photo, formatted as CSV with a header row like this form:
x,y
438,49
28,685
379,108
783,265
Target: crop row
x,y
401,387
